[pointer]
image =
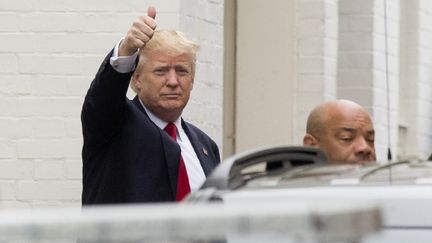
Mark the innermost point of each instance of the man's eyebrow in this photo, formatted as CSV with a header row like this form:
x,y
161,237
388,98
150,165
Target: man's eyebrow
x,y
183,65
167,65
346,129
371,132
161,65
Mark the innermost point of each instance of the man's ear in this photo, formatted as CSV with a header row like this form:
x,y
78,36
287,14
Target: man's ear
x,y
135,83
309,140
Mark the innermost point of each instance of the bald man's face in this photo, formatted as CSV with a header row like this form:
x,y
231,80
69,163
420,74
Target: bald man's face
x,y
348,136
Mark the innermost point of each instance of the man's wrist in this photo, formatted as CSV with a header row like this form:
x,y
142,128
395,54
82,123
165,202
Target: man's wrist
x,y
123,64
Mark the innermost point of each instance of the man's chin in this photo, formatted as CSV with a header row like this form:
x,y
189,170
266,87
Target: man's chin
x,y
173,104
363,161
173,107
351,161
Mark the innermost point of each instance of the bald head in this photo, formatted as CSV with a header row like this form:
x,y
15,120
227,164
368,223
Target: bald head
x,y
323,113
343,130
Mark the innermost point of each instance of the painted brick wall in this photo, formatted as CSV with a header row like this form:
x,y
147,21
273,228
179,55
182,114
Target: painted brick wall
x,y
405,104
416,79
316,34
49,53
424,136
202,20
362,63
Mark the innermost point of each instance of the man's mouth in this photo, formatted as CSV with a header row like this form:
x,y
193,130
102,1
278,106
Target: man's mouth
x,y
171,96
363,161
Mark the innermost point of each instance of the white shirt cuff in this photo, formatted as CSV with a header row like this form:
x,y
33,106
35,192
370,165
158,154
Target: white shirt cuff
x,y
123,64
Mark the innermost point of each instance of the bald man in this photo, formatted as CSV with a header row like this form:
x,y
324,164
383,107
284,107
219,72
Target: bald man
x,y
343,130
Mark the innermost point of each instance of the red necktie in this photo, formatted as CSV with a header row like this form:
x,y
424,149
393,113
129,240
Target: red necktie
x,y
183,187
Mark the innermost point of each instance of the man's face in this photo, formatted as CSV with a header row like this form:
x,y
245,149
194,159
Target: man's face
x,y
349,137
164,84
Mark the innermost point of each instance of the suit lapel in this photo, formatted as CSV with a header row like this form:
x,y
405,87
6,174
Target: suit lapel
x,y
171,150
201,151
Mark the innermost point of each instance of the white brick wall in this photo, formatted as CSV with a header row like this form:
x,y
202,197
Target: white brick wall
x,y
203,21
316,34
361,73
362,63
49,53
424,134
416,78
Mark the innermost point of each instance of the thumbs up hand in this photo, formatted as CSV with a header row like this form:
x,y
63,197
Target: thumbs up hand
x,y
139,33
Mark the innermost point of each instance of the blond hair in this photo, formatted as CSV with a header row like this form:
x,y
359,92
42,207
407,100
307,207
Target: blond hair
x,y
168,41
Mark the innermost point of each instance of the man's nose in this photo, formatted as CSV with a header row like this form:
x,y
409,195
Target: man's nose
x,y
172,78
362,147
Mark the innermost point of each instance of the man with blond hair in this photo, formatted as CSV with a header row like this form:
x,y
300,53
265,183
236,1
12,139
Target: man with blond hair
x,y
142,150
343,130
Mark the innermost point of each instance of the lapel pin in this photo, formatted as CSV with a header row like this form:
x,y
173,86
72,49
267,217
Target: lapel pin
x,y
205,151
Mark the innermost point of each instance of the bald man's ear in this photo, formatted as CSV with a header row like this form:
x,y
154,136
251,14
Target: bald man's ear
x,y
309,140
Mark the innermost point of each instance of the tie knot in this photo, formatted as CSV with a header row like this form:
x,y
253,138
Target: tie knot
x,y
171,130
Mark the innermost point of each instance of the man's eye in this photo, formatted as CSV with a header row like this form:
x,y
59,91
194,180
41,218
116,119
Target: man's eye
x,y
159,72
346,139
182,72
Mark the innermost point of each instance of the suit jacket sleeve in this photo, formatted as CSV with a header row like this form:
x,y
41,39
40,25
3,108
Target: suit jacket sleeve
x,y
104,104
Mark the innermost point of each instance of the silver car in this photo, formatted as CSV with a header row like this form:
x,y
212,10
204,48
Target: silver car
x,y
402,190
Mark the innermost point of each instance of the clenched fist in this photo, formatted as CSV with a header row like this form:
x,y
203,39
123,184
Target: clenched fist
x,y
139,34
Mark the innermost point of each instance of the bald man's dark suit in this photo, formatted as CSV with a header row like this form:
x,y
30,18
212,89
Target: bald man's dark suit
x,y
126,157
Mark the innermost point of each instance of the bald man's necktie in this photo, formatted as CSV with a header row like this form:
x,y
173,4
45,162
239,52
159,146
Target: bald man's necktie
x,y
183,187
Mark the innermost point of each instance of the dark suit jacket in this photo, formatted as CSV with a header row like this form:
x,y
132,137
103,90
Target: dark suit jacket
x,y
126,157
